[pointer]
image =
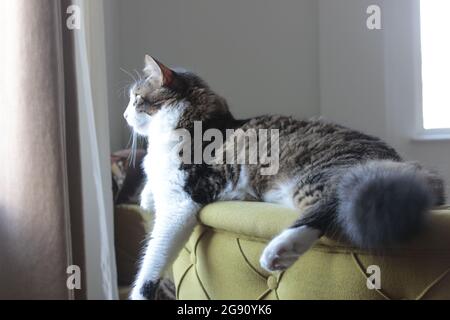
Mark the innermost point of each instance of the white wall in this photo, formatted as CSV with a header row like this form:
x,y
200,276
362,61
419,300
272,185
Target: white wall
x,y
261,55
351,67
370,80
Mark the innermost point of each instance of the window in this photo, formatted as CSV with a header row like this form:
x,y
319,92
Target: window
x,y
435,37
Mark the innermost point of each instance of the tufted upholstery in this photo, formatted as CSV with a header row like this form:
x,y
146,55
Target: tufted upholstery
x,y
221,261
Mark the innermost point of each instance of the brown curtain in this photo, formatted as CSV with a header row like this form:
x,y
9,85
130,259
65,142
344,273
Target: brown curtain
x,y
40,189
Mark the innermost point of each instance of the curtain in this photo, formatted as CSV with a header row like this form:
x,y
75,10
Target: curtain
x,y
90,64
54,180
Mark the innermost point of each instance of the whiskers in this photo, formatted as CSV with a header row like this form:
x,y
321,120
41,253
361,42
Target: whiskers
x,y
131,75
135,143
134,77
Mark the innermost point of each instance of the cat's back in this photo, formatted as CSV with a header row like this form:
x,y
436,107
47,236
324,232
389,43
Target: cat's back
x,y
304,130
307,141
289,125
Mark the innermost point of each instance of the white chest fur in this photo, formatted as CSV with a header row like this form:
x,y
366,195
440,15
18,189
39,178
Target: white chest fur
x,y
162,164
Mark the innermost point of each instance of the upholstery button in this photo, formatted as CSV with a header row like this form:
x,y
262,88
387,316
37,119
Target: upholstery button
x,y
193,258
272,283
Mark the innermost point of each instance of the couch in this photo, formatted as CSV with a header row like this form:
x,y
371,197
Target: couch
x,y
220,261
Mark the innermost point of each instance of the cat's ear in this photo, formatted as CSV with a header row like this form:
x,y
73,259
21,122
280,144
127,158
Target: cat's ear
x,y
158,74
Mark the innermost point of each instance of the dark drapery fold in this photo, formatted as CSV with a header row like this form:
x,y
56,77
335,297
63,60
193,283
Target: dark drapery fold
x,y
40,207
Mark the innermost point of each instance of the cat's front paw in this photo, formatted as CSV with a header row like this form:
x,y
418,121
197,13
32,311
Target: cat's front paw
x,y
147,291
136,295
286,248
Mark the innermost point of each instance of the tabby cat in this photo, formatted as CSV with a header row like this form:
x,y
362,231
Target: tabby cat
x,y
342,182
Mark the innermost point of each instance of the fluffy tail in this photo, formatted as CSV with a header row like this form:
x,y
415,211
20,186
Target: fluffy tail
x,y
382,203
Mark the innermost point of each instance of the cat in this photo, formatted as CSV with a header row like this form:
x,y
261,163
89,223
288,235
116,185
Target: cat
x,y
342,182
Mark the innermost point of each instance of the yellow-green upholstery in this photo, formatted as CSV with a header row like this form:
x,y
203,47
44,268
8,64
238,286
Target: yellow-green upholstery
x,y
221,261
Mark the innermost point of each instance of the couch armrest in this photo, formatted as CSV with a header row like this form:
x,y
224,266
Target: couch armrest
x,y
263,221
251,219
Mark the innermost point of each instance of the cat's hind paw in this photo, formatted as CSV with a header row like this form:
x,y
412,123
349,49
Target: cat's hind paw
x,y
286,248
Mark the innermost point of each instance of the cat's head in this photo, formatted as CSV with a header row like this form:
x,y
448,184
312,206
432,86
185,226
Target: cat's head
x,y
163,88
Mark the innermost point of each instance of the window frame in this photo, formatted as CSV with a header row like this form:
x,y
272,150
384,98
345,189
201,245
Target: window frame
x,y
424,134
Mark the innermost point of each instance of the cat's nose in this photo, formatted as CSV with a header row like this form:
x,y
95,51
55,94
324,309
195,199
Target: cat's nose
x,y
125,115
